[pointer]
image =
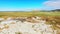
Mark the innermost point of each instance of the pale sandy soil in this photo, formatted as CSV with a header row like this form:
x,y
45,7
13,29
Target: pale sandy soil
x,y
14,26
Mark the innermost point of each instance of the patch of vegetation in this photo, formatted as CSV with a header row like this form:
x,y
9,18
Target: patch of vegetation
x,y
29,13
18,33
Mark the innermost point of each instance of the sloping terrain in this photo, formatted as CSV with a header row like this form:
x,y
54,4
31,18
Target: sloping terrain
x,y
16,26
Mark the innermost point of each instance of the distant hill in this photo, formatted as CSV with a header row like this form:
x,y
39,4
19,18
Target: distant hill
x,y
56,10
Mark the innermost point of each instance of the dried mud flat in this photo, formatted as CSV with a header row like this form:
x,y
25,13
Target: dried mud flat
x,y
27,25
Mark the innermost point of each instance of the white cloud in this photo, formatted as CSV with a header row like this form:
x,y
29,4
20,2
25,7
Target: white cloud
x,y
52,4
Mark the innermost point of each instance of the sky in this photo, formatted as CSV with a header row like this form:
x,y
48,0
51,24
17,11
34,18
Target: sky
x,y
27,5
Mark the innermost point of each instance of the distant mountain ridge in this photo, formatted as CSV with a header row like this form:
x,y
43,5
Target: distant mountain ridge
x,y
55,10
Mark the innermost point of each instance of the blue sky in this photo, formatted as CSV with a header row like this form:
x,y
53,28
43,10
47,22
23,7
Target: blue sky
x,y
20,5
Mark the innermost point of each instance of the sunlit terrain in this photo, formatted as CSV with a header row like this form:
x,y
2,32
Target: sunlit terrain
x,y
12,26
29,16
29,22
